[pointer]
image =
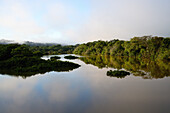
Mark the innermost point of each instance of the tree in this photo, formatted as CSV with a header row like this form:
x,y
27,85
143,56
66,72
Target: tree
x,y
21,51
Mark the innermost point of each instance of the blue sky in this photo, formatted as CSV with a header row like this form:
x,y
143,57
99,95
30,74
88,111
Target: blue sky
x,y
78,21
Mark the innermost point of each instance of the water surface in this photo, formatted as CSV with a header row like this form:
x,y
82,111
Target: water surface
x,y
88,90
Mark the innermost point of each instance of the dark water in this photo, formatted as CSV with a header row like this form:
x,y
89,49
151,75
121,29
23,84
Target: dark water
x,y
88,89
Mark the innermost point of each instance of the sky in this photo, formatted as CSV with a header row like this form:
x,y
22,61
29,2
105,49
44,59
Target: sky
x,y
79,21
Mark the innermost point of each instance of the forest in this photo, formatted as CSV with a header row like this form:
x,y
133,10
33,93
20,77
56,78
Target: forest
x,y
53,49
155,48
18,60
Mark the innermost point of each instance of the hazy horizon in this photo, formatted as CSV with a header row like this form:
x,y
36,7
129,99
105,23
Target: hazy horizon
x,y
79,21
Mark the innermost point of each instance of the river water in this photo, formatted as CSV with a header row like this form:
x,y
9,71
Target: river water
x,y
85,90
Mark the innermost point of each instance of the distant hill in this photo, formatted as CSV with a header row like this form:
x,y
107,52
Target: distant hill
x,y
3,41
39,44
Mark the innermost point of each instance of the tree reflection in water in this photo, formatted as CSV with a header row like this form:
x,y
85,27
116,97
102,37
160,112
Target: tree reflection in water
x,y
147,69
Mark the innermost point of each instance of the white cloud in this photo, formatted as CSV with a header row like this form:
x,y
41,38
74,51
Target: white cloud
x,y
106,19
17,18
125,19
57,15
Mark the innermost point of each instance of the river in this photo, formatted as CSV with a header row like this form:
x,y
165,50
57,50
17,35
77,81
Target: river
x,y
86,89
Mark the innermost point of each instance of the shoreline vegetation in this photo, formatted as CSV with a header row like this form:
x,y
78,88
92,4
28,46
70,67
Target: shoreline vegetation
x,y
150,47
154,48
52,50
18,60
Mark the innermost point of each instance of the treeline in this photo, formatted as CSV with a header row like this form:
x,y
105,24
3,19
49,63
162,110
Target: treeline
x,y
141,47
54,49
8,51
18,60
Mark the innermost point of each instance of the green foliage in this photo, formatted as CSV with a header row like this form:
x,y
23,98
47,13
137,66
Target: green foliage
x,y
21,51
53,50
5,51
37,53
19,60
28,66
139,47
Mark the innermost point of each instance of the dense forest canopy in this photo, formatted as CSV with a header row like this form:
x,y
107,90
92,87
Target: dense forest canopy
x,y
19,60
54,49
26,58
145,47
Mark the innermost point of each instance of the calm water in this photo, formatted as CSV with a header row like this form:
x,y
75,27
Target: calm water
x,y
87,90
